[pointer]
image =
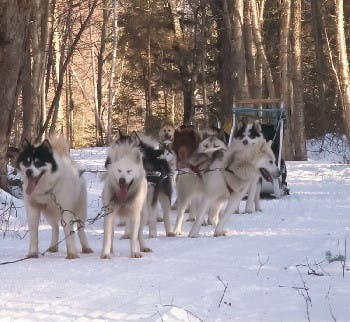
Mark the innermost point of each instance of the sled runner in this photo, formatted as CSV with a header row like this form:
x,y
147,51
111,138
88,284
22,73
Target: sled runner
x,y
271,115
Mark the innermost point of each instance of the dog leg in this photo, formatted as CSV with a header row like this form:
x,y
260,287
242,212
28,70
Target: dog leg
x,y
144,218
166,204
107,236
194,232
68,229
257,195
251,197
33,216
180,216
152,221
53,248
213,216
230,208
83,241
134,223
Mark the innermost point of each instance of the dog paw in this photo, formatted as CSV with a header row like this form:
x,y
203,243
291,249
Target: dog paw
x,y
125,236
87,250
193,235
190,219
53,249
236,212
249,211
106,256
136,255
121,224
160,219
32,255
72,256
258,209
220,233
146,250
152,235
171,234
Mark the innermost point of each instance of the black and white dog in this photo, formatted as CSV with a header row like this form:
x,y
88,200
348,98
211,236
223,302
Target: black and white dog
x,y
247,136
53,187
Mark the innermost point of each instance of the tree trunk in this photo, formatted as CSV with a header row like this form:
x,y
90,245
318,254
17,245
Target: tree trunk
x,y
262,58
321,66
37,41
14,19
250,53
343,64
224,59
298,117
284,75
112,72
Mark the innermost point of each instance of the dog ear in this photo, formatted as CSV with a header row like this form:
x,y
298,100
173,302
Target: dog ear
x,y
257,126
269,143
107,162
25,144
118,135
47,145
138,157
239,127
135,138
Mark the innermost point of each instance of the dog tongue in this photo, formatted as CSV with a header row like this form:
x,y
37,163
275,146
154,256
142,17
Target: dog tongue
x,y
32,182
123,191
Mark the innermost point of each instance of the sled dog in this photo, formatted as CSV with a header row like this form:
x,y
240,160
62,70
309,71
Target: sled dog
x,y
189,183
228,179
245,137
53,186
124,194
166,134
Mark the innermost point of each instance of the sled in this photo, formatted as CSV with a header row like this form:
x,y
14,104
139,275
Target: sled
x,y
271,115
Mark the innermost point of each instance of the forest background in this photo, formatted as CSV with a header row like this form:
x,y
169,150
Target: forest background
x,y
87,68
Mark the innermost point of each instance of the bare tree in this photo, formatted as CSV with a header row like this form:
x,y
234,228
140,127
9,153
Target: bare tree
x,y
343,64
14,19
298,117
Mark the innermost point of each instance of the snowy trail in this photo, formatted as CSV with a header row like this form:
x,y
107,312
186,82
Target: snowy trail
x,y
179,280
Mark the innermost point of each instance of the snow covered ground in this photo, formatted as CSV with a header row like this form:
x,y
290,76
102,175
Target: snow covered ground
x,y
273,266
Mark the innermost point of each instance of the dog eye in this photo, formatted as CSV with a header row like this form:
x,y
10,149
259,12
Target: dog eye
x,y
206,146
128,171
120,171
216,146
271,161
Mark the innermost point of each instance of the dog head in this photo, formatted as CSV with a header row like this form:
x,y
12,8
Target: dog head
x,y
248,134
124,169
166,134
186,141
34,162
210,145
266,162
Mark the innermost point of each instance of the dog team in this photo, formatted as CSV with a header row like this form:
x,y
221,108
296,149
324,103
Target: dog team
x,y
211,180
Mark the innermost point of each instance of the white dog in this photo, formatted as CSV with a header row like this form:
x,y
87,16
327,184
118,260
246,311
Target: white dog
x,y
124,194
53,186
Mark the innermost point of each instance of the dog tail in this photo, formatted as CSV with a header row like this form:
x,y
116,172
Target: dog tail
x,y
59,145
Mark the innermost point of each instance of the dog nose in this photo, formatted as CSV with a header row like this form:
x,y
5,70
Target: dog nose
x,y
245,142
29,172
122,181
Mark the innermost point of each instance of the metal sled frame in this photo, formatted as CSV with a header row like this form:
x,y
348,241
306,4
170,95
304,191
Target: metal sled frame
x,y
272,116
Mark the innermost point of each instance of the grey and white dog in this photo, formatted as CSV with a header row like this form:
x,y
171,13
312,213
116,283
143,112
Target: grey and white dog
x,y
190,184
228,180
124,194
